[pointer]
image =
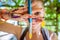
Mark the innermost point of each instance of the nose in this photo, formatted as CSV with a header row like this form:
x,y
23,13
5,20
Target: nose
x,y
34,22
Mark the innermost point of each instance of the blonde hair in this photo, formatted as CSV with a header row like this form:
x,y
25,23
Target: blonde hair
x,y
38,2
35,0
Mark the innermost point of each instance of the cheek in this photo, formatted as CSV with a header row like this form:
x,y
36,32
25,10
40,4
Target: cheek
x,y
42,13
34,24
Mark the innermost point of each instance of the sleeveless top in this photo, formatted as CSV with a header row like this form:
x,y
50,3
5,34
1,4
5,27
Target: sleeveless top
x,y
44,35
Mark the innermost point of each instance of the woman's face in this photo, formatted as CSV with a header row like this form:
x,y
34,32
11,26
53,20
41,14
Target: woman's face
x,y
37,15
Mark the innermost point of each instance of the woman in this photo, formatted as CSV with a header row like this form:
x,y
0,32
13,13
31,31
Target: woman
x,y
38,18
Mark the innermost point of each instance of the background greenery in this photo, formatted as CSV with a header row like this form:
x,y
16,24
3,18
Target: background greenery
x,y
52,16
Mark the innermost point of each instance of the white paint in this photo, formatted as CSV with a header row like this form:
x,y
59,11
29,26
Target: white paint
x,y
12,22
58,35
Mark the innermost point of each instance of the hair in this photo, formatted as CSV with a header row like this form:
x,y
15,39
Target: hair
x,y
35,1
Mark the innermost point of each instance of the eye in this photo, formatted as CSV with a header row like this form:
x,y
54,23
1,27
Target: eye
x,y
37,13
22,14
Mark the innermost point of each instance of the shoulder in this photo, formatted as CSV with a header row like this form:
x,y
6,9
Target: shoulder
x,y
53,35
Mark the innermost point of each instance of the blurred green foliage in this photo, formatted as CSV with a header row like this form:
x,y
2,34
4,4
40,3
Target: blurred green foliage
x,y
52,16
12,3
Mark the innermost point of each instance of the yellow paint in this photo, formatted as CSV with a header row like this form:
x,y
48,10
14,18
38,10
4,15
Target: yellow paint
x,y
43,24
30,35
